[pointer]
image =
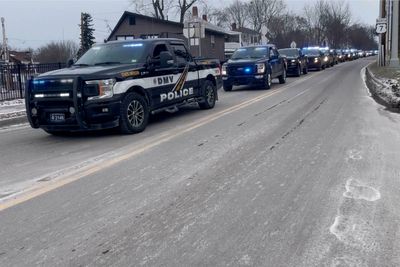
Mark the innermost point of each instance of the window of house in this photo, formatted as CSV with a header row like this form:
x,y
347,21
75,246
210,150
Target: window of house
x,y
132,20
212,41
125,37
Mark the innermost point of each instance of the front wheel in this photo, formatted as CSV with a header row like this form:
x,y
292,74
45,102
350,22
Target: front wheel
x,y
298,74
209,94
134,114
305,70
227,88
282,78
268,81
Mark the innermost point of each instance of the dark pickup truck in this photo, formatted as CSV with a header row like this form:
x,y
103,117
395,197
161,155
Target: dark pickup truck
x,y
296,61
119,84
254,65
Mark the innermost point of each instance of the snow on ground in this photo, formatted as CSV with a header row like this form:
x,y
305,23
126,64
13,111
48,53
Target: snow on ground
x,y
12,109
387,89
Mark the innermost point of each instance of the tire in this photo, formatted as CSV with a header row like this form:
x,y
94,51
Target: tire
x,y
282,78
305,70
209,94
298,73
268,81
134,114
227,88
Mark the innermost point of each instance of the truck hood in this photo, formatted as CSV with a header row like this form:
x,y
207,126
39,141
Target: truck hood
x,y
103,70
233,62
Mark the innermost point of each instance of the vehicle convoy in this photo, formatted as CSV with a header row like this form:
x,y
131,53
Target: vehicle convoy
x,y
296,61
254,65
119,84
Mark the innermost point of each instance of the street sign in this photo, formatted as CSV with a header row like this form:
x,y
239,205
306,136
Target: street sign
x,y
381,25
381,28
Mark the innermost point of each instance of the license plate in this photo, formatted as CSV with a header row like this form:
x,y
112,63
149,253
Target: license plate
x,y
57,117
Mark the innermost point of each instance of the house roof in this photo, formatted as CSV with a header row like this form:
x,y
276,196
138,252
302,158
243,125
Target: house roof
x,y
24,56
247,30
212,28
128,14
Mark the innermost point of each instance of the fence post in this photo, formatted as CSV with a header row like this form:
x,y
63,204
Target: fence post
x,y
59,65
21,95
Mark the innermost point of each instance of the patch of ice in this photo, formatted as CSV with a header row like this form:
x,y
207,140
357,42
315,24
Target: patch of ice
x,y
356,190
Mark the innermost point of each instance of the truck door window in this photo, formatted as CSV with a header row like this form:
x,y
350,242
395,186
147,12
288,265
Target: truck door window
x,y
158,49
182,56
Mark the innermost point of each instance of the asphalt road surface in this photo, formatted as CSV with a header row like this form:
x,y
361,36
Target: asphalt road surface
x,y
304,174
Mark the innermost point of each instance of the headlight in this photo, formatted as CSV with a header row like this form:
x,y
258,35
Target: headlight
x,y
316,59
326,59
260,68
293,61
223,70
105,88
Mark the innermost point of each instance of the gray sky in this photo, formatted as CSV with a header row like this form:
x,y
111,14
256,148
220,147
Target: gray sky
x,y
32,23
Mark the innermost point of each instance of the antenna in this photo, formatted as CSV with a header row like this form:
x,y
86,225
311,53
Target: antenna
x,y
4,49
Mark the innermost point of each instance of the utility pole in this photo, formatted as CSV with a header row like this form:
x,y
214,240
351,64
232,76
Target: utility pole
x,y
382,36
5,45
394,44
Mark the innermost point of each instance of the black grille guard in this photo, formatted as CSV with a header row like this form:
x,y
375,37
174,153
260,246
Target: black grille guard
x,y
77,102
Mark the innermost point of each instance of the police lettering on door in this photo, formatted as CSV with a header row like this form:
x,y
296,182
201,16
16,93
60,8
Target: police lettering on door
x,y
176,94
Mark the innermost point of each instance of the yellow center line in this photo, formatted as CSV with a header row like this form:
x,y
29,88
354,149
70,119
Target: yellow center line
x,y
43,188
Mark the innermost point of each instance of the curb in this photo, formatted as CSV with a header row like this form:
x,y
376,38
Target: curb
x,y
13,121
380,96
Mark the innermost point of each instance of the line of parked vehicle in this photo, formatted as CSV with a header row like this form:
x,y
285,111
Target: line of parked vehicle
x,y
258,65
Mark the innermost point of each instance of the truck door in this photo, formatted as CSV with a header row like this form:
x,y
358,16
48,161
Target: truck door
x,y
163,78
273,61
188,84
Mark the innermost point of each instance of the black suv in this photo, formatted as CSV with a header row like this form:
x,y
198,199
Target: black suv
x,y
296,61
254,65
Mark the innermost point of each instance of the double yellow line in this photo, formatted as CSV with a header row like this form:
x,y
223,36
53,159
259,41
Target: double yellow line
x,y
134,150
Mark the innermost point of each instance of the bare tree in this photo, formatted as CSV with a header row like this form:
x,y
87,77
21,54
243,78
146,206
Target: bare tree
x,y
338,20
184,6
237,13
261,12
56,52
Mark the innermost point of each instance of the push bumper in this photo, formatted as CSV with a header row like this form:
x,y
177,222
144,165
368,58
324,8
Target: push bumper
x,y
244,80
77,114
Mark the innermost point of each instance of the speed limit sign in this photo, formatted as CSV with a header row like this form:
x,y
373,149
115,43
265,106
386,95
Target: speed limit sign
x,y
381,25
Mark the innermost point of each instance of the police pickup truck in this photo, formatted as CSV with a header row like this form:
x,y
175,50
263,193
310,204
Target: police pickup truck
x,y
254,65
119,84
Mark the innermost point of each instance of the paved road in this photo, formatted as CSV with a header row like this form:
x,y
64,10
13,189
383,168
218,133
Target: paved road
x,y
305,174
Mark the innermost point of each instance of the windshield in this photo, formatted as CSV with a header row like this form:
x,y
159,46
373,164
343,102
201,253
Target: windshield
x,y
289,52
312,52
250,52
117,53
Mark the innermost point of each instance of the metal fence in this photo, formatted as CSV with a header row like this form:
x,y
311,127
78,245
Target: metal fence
x,y
13,77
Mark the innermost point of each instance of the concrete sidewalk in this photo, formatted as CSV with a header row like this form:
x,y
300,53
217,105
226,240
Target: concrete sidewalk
x,y
12,112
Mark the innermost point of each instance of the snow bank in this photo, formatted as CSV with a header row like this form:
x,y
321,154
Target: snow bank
x,y
386,90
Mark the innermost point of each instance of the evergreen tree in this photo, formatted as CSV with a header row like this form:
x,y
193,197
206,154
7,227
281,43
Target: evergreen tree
x,y
87,30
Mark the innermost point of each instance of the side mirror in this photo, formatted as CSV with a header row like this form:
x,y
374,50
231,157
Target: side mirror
x,y
70,62
166,59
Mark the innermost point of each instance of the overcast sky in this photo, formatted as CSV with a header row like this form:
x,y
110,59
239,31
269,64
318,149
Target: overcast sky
x,y
32,23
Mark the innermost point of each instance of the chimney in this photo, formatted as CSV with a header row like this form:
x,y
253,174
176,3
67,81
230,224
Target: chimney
x,y
233,26
195,12
205,17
